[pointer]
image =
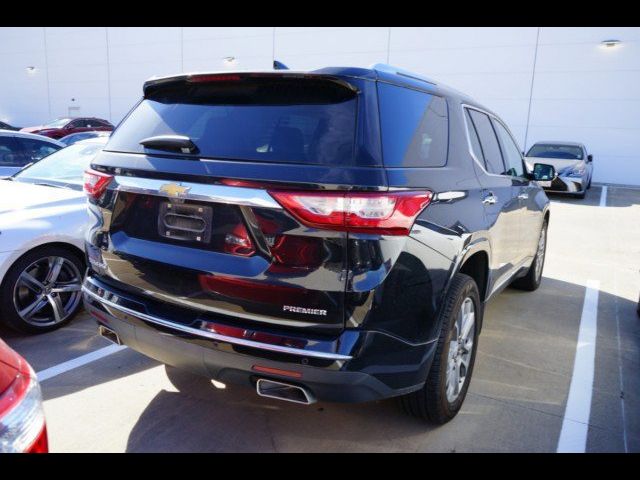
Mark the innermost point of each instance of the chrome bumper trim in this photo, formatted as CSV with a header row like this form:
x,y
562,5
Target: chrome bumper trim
x,y
251,197
211,335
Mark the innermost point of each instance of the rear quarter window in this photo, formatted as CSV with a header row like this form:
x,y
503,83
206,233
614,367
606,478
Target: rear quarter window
x,y
415,127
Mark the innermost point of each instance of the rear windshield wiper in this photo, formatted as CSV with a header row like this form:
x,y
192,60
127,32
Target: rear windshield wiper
x,y
172,143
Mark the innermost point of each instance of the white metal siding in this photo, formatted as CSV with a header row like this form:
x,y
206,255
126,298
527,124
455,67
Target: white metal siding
x,y
547,83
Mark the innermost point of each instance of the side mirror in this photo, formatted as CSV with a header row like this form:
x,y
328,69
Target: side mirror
x,y
589,158
543,172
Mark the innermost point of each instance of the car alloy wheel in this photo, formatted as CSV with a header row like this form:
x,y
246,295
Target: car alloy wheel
x,y
48,291
460,350
540,253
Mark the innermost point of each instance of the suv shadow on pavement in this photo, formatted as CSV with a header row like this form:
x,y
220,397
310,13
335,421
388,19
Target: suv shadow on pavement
x,y
525,363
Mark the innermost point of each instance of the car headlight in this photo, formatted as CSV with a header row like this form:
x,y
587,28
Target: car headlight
x,y
576,172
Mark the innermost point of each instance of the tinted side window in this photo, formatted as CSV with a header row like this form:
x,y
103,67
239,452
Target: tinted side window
x,y
512,157
34,150
489,142
475,141
9,153
415,127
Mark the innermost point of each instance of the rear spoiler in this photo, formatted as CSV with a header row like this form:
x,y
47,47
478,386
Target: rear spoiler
x,y
231,76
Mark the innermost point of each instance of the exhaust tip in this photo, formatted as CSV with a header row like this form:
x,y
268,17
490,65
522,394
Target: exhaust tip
x,y
284,391
109,334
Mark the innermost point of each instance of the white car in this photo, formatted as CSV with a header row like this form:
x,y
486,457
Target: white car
x,y
42,221
18,149
573,165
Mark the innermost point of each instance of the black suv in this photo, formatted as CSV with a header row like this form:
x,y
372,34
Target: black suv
x,y
327,235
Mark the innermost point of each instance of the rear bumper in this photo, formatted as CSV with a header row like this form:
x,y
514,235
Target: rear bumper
x,y
357,366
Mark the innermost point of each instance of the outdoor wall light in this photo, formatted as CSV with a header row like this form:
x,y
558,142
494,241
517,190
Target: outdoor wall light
x,y
31,69
229,60
610,43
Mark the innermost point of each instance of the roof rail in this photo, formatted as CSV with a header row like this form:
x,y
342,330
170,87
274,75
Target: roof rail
x,y
383,67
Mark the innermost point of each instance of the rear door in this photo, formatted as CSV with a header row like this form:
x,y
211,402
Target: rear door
x,y
203,225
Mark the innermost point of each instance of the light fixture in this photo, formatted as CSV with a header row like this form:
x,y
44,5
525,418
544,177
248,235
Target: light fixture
x,y
229,59
31,69
610,43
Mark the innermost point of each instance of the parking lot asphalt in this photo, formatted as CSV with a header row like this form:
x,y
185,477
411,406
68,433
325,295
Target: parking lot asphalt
x,y
530,392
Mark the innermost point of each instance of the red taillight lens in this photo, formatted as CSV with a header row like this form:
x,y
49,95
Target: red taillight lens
x,y
95,183
390,213
213,78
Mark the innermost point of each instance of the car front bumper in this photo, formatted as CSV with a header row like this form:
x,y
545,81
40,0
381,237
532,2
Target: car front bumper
x,y
565,184
357,366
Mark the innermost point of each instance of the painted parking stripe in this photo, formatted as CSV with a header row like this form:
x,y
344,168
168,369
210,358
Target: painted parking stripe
x,y
575,425
78,362
603,196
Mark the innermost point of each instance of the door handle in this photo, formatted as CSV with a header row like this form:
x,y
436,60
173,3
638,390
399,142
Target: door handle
x,y
490,199
523,196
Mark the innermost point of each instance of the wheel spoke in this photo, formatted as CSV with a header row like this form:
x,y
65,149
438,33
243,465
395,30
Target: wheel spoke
x,y
31,282
56,305
65,288
33,308
54,270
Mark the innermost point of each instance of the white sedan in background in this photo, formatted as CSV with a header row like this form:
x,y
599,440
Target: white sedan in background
x,y
18,149
42,220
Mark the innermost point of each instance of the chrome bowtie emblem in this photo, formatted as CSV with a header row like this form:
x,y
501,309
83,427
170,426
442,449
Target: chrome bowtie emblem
x,y
174,190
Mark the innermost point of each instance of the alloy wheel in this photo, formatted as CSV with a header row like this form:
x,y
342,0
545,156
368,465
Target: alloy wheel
x,y
540,253
48,291
460,350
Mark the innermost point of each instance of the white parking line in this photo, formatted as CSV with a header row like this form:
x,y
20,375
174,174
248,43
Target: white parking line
x,y
56,370
603,196
575,425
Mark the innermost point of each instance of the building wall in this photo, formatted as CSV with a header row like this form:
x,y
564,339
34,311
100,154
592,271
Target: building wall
x,y
547,83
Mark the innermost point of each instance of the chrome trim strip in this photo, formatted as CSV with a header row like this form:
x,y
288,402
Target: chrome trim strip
x,y
215,336
251,197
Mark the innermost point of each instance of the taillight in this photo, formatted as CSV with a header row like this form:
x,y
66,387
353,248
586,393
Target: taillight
x,y
22,425
95,183
391,213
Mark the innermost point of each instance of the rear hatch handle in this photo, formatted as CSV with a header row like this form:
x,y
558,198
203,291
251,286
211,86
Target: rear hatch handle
x,y
173,143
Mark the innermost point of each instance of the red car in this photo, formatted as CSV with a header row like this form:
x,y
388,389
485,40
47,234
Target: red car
x,y
65,126
22,425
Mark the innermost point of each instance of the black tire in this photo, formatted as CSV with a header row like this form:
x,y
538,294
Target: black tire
x,y
431,403
531,281
582,194
8,311
589,184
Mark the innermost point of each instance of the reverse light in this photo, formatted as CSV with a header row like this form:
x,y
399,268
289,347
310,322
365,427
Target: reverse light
x,y
22,423
391,213
238,242
95,183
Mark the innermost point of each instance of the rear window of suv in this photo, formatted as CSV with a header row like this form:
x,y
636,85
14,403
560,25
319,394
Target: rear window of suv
x,y
278,120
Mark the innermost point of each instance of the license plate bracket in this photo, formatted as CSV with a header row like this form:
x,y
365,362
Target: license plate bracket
x,y
185,222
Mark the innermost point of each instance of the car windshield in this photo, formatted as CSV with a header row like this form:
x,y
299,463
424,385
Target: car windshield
x,y
564,152
65,166
61,122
